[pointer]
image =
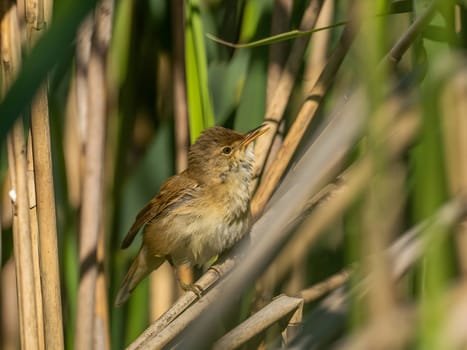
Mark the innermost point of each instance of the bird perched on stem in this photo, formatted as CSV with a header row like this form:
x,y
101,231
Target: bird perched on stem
x,y
199,213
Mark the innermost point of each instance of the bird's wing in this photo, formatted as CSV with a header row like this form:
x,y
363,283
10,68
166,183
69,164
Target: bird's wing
x,y
176,190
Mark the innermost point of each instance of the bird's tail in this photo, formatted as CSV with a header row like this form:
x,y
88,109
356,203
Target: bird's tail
x,y
142,266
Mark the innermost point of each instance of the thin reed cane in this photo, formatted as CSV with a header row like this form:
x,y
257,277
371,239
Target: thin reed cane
x,y
37,17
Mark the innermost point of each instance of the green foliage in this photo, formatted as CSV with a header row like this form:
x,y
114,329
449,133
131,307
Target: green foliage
x,y
199,101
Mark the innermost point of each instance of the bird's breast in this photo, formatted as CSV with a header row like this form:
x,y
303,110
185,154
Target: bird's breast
x,y
213,222
220,225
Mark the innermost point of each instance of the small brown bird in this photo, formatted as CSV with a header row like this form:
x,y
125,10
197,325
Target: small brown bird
x,y
199,213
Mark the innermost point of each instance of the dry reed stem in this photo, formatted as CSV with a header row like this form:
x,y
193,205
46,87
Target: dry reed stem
x,y
35,242
300,125
318,290
454,122
11,61
277,310
37,16
48,247
294,326
275,110
319,44
22,239
16,249
92,213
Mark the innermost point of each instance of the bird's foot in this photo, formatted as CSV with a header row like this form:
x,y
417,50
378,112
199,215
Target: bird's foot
x,y
215,270
192,288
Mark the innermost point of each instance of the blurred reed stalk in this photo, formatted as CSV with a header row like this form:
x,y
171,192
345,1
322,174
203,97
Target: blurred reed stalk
x,y
163,286
454,104
104,25
90,326
28,292
382,200
38,15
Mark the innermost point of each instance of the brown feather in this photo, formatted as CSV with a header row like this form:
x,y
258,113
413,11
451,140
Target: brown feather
x,y
166,199
142,266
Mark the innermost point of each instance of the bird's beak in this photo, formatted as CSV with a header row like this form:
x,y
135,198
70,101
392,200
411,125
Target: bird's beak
x,y
253,135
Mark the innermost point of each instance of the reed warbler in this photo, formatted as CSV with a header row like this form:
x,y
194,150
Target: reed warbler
x,y
199,213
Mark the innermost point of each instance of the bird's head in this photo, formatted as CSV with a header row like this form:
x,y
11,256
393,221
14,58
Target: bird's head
x,y
220,153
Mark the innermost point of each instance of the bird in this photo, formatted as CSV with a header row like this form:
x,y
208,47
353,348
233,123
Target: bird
x,y
199,213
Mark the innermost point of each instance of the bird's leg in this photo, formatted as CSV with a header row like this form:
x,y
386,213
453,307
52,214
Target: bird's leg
x,y
186,286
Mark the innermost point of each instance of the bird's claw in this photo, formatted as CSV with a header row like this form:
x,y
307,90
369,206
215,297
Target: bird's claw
x,y
192,288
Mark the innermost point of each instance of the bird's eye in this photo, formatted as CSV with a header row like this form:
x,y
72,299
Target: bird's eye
x,y
227,150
